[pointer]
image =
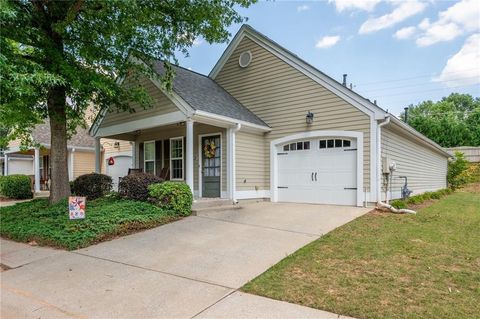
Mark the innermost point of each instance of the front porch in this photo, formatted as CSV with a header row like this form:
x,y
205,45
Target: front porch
x,y
197,153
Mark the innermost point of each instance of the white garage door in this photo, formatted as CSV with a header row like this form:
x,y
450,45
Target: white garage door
x,y
119,169
322,170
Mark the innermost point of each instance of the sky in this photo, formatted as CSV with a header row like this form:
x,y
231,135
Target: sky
x,y
396,52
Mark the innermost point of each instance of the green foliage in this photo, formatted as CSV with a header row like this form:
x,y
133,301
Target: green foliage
x,y
452,121
105,219
421,198
92,185
79,49
173,196
16,186
135,186
456,168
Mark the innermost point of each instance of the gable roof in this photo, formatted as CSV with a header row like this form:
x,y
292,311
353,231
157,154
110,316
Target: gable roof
x,y
323,79
204,94
41,134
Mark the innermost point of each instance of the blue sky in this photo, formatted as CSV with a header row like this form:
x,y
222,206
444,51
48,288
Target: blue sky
x,y
397,52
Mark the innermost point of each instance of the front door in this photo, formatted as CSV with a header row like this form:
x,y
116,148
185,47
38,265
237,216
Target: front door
x,y
211,166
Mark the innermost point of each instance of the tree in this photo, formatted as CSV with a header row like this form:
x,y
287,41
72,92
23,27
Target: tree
x,y
452,121
59,57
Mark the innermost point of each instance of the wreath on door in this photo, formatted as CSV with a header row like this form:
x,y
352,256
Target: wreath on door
x,y
209,149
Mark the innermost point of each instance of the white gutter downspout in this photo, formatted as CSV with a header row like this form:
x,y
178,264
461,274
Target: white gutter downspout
x,y
379,172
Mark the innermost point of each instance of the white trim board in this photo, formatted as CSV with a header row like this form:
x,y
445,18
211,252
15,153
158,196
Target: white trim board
x,y
252,194
315,134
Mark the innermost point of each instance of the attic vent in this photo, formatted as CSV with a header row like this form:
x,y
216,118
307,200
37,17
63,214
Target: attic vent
x,y
245,59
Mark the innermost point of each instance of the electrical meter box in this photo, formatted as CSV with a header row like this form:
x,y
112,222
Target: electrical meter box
x,y
387,163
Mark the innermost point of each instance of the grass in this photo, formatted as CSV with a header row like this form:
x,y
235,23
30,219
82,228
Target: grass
x,y
389,266
105,219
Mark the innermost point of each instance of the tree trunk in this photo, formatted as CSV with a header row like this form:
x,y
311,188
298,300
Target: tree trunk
x,y
60,187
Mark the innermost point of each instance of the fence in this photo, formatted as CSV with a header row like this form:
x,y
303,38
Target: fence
x,y
472,153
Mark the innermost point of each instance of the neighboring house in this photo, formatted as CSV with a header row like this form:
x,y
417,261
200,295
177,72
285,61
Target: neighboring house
x,y
36,161
266,124
472,153
116,159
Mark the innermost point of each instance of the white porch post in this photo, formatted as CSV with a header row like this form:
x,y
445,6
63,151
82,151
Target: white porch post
x,y
5,165
36,165
231,176
97,155
71,163
134,155
189,154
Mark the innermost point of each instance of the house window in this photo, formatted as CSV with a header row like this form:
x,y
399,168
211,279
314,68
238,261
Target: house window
x,y
298,146
176,158
149,157
334,143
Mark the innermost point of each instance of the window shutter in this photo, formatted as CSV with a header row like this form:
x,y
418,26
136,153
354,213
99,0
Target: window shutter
x,y
158,157
140,156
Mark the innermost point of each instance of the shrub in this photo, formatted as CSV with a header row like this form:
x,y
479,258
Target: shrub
x,y
456,168
399,204
16,186
135,186
173,196
92,185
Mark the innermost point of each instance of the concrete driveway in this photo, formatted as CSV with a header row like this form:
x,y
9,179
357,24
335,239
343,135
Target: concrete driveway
x,y
190,268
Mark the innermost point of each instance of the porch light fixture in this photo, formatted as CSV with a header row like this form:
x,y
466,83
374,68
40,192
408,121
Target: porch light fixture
x,y
309,118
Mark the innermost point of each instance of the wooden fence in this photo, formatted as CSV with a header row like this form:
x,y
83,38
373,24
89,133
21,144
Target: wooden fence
x,y
472,153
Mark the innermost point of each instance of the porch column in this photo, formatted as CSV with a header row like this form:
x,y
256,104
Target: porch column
x,y
71,163
36,165
189,154
231,175
98,154
5,165
134,154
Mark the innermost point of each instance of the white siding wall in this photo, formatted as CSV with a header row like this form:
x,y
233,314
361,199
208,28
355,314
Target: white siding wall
x,y
425,168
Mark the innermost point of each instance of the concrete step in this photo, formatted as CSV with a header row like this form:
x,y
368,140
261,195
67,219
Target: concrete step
x,y
210,203
223,208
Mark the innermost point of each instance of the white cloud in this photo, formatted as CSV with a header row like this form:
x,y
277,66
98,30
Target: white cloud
x,y
197,42
459,19
327,42
303,7
367,5
402,11
464,67
405,33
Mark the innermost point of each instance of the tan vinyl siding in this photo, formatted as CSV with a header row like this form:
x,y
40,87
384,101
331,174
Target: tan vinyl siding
x,y
281,96
109,150
161,105
250,162
425,168
198,129
83,163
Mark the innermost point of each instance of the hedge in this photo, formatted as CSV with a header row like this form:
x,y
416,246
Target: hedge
x,y
135,186
16,186
172,196
419,199
92,185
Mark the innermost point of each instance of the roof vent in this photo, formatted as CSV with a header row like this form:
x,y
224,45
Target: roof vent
x,y
245,59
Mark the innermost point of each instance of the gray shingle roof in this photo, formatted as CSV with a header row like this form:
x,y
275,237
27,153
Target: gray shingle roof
x,y
203,93
41,134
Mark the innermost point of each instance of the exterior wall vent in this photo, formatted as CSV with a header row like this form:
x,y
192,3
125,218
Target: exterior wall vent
x,y
245,59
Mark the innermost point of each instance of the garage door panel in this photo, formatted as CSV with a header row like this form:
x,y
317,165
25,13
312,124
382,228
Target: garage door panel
x,y
317,175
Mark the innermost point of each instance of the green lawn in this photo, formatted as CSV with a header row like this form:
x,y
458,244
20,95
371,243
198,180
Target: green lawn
x,y
105,219
384,265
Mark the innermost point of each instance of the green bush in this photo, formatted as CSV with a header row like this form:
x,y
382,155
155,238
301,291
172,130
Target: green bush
x,y
173,196
16,186
456,168
92,185
398,203
135,186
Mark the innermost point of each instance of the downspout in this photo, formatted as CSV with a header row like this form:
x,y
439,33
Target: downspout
x,y
379,172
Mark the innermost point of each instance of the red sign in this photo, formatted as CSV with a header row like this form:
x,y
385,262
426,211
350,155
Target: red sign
x,y
111,161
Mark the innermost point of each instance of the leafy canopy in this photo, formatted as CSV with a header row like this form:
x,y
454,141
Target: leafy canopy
x,y
83,47
452,121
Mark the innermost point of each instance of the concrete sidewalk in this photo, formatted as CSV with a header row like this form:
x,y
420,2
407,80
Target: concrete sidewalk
x,y
186,269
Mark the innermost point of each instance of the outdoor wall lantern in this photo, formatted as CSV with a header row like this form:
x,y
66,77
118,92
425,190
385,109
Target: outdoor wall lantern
x,y
309,118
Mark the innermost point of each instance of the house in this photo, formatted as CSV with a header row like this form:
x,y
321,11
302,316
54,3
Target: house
x,y
266,124
36,161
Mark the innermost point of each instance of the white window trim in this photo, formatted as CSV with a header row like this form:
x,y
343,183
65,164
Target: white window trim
x,y
177,158
154,157
200,163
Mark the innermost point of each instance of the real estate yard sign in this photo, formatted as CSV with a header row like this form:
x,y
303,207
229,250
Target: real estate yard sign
x,y
76,207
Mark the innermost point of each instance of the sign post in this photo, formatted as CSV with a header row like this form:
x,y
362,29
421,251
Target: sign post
x,y
76,207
